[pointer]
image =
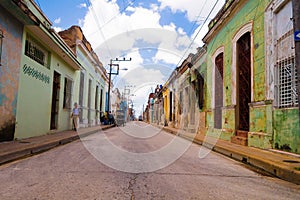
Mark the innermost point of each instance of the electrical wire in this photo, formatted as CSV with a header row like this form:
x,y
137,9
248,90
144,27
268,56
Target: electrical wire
x,y
197,17
98,25
198,32
114,17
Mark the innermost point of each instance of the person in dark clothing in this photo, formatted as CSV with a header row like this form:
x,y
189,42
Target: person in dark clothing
x,y
111,119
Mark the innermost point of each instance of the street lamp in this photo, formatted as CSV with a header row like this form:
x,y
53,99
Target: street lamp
x,y
109,77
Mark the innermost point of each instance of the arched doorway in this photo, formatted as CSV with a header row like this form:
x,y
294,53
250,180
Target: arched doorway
x,y
243,81
219,63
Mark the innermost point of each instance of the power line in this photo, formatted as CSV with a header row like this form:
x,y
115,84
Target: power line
x,y
197,17
114,17
98,24
197,32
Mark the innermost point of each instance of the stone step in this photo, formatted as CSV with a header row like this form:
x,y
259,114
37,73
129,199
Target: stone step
x,y
242,133
239,140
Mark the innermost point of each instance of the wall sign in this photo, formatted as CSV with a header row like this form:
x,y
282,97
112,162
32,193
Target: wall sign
x,y
30,71
297,36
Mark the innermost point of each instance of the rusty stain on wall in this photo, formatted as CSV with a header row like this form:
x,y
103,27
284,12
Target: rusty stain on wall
x,y
9,73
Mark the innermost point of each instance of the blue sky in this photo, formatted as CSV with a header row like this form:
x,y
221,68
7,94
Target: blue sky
x,y
156,34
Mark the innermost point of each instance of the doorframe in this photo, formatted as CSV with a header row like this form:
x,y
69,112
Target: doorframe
x,y
246,28
216,53
56,115
234,84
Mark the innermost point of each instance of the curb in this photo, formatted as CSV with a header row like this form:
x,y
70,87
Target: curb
x,y
276,169
40,148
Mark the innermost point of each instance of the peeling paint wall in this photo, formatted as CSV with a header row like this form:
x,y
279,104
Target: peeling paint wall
x,y
9,73
280,43
247,15
286,130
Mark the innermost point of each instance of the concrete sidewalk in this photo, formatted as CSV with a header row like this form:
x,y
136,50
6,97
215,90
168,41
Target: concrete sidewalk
x,y
280,164
13,150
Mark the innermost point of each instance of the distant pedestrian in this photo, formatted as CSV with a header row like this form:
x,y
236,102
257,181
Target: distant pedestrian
x,y
111,119
75,116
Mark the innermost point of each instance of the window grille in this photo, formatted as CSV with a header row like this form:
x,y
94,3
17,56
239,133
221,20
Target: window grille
x,y
67,94
287,83
36,52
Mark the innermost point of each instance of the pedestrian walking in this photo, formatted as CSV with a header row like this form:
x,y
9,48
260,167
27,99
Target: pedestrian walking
x,y
75,116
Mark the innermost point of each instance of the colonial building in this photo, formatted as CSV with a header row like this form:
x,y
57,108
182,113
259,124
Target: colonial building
x,y
281,76
42,75
40,71
251,75
241,86
198,80
92,78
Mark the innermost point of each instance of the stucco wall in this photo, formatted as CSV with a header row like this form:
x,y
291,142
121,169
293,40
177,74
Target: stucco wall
x,y
9,73
35,95
286,130
251,14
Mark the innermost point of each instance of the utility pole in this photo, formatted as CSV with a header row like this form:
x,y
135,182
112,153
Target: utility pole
x,y
111,64
296,21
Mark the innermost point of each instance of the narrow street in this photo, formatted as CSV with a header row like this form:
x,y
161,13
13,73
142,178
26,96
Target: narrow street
x,y
76,171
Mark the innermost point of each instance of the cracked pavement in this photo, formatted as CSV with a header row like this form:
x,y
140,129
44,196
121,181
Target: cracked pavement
x,y
71,172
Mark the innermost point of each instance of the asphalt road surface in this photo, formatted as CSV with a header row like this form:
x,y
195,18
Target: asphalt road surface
x,y
136,161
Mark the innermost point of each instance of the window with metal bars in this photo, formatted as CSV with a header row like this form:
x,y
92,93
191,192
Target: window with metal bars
x,y
36,52
287,77
67,93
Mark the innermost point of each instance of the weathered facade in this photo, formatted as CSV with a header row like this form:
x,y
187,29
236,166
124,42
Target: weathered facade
x,y
251,75
11,33
281,75
235,73
33,53
92,77
42,75
244,78
198,83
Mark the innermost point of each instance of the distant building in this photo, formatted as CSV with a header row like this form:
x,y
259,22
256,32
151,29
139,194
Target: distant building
x,y
93,81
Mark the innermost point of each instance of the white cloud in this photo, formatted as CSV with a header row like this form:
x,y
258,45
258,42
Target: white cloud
x,y
57,29
194,8
114,34
154,7
130,9
82,5
57,21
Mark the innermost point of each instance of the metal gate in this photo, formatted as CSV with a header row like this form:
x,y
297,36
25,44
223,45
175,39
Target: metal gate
x,y
244,81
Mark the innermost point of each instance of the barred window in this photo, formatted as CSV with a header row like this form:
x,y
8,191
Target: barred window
x,y
287,83
67,93
36,52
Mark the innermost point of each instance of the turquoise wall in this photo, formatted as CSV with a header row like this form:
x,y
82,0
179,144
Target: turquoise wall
x,y
9,73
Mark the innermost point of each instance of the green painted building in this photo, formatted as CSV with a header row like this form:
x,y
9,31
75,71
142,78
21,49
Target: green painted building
x,y
48,74
45,75
251,94
92,79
